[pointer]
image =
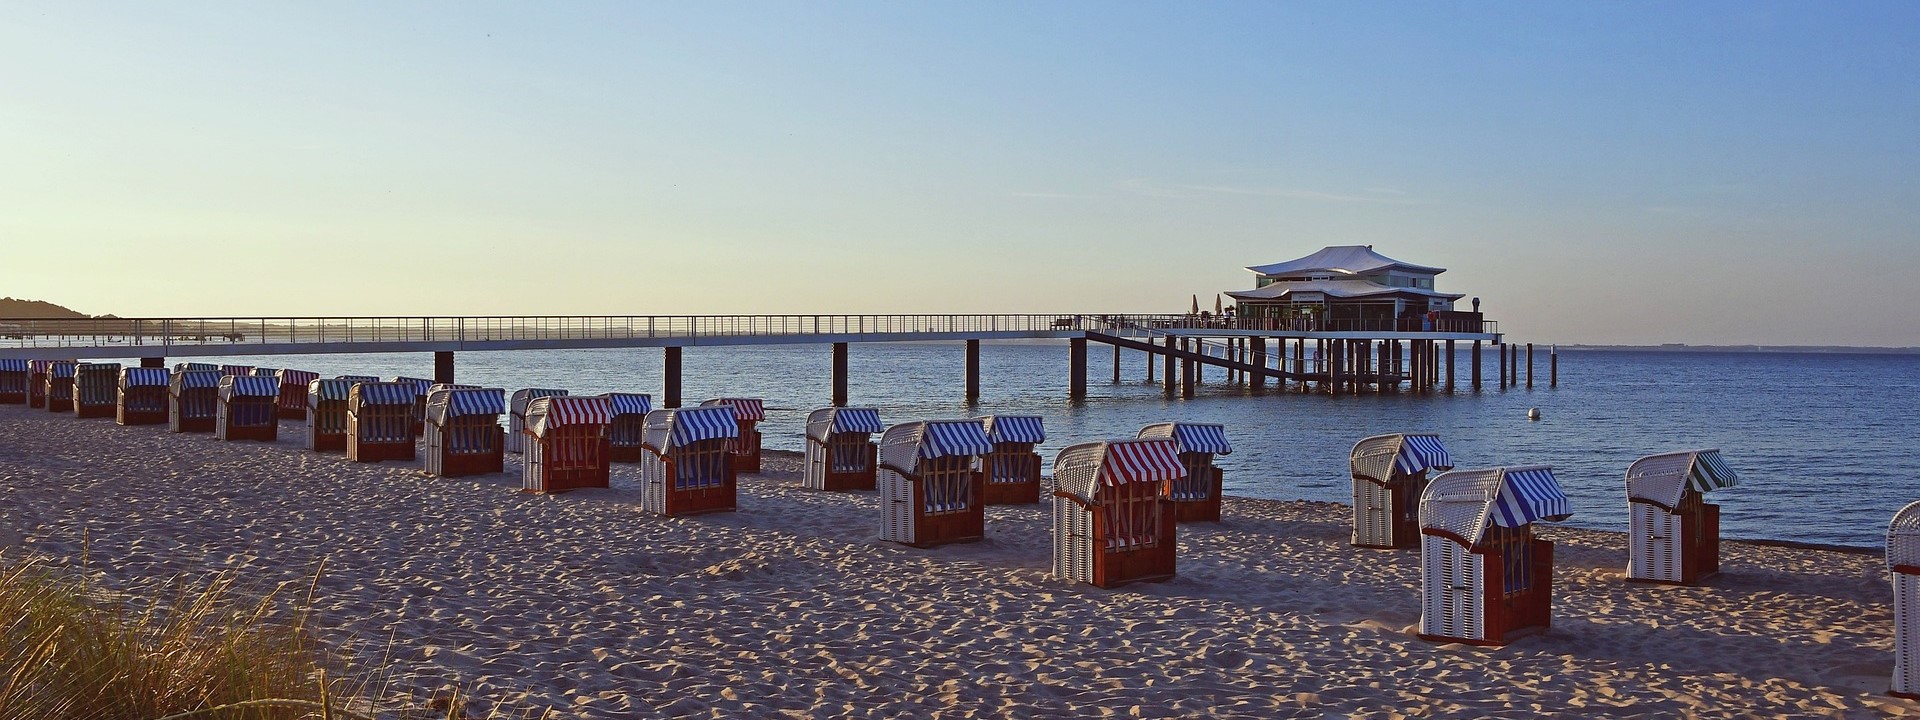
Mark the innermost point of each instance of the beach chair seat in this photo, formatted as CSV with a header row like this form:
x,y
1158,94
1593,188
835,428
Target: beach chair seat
x,y
1113,523
1484,578
1389,473
565,441
840,452
689,467
932,487
748,412
1195,496
1013,468
463,433
248,409
626,429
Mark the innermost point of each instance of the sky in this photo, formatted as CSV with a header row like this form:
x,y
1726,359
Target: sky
x,y
1607,172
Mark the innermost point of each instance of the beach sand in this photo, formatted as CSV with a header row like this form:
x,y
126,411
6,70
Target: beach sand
x,y
791,606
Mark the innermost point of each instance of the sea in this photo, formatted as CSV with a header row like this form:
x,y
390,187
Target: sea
x,y
1825,444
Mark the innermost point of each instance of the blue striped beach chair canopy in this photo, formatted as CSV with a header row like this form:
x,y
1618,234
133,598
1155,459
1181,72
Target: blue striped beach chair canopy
x,y
822,424
328,390
557,411
444,404
420,385
357,378
906,444
233,386
664,430
62,368
629,403
1664,479
380,393
518,402
13,365
92,368
1016,428
144,377
1466,502
195,380
1377,458
1192,437
195,366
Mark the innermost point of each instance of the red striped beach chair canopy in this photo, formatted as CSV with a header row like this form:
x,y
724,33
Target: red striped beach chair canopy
x,y
747,409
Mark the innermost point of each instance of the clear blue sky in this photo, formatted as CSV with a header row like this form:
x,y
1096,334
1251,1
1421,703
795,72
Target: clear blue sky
x,y
1596,172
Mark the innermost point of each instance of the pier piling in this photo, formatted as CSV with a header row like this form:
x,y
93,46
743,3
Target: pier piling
x,y
1529,366
1258,356
1116,364
973,370
840,374
153,362
1503,366
670,377
1474,365
443,367
1553,366
1167,360
1077,368
1449,366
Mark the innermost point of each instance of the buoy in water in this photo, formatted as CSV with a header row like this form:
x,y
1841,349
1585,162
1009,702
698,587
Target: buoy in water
x,y
1533,413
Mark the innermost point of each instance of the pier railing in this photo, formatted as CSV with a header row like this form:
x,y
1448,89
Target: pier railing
x,y
143,332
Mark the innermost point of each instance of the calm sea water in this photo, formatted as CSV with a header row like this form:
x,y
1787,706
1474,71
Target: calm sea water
x,y
1825,443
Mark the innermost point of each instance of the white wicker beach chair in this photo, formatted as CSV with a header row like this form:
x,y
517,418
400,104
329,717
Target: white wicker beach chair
x,y
1484,578
930,482
1389,472
1673,535
1112,521
688,467
1903,564
840,452
517,415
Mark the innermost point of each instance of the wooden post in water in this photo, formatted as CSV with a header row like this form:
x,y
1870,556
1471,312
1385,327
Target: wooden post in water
x,y
1189,370
1474,362
1299,362
159,362
1449,366
1553,366
670,380
973,370
1116,364
1150,363
1077,368
1331,358
443,367
839,374
1503,366
1529,366
1388,367
1167,359
1258,358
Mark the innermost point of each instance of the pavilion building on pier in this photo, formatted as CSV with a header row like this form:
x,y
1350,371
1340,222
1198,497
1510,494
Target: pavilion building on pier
x,y
1350,288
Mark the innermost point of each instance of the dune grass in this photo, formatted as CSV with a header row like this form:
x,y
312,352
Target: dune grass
x,y
197,650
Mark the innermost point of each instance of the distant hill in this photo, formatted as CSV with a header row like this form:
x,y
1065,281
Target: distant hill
x,y
10,307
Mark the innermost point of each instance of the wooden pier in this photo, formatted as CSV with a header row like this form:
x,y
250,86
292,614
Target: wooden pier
x,y
1345,361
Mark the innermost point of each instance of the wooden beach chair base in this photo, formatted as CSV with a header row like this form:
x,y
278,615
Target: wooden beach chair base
x,y
93,411
327,442
139,417
849,481
362,451
625,453
965,526
1013,493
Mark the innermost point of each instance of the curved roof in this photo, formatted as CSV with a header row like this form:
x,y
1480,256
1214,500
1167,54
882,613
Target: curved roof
x,y
1349,259
1341,288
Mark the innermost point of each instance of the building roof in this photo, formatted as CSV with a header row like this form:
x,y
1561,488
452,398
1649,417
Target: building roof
x,y
1342,288
1348,259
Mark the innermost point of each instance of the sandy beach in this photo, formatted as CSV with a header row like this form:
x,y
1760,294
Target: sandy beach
x,y
791,607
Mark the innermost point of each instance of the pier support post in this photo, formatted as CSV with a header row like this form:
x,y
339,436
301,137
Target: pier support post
x,y
1116,364
973,370
1529,366
1189,372
1150,363
839,374
443,367
1449,366
1553,366
670,378
1258,358
1513,365
1475,365
1389,367
153,362
1077,368
1167,359
1333,362
1503,366
1299,363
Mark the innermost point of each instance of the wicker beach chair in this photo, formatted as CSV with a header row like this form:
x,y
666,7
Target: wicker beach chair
x,y
193,400
236,370
931,485
293,392
37,371
1196,497
1112,521
248,409
566,444
1013,468
58,388
840,452
421,386
1389,473
1903,565
265,372
195,366
15,373
96,389
1673,535
327,414
746,444
141,396
625,430
1484,578
689,465
357,378
517,415
380,421
463,431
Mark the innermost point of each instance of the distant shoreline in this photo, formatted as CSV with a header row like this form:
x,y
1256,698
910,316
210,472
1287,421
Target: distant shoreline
x,y
1682,347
